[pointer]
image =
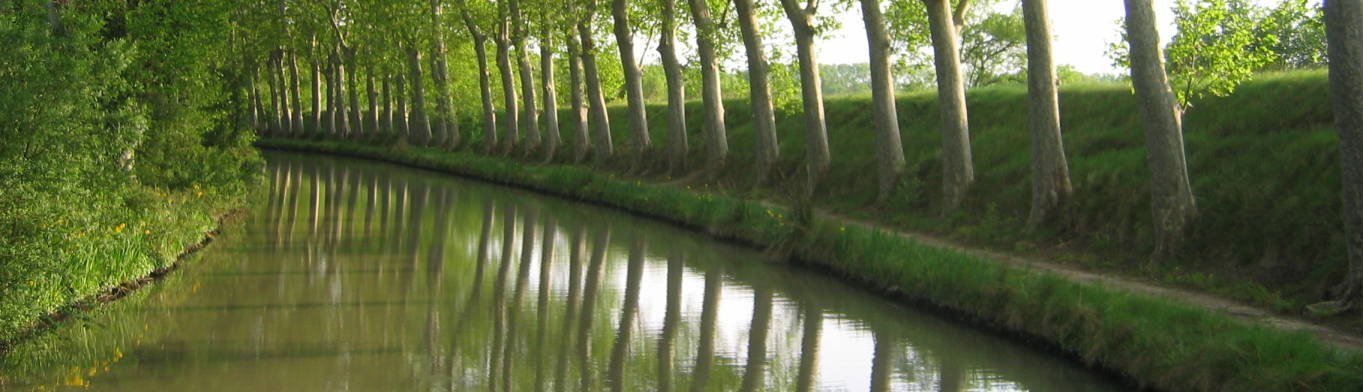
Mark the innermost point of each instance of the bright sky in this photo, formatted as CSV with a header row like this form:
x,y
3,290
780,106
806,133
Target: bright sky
x,y
1082,28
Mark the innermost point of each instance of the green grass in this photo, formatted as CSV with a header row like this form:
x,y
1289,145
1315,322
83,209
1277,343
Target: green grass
x,y
1154,342
1263,162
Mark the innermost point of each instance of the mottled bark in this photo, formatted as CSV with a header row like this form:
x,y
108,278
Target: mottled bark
x,y
440,72
958,171
295,96
257,107
285,111
342,114
1171,194
484,79
529,109
355,115
389,128
276,102
1344,36
1050,172
601,125
582,139
551,136
316,128
889,149
419,125
401,124
372,117
634,80
676,89
811,92
759,90
503,40
717,143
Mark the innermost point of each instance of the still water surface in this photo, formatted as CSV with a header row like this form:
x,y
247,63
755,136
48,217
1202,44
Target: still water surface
x,y
353,275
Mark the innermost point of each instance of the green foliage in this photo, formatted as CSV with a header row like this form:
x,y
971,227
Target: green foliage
x,y
993,45
1216,47
115,146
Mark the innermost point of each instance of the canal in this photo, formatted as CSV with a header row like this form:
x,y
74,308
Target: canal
x,y
353,275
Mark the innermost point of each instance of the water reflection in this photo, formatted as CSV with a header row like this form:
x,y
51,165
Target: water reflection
x,y
358,276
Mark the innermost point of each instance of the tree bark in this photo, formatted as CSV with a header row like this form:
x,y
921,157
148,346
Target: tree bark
x,y
529,111
1171,194
420,125
353,90
402,125
316,127
1050,172
957,170
811,90
759,90
890,150
484,80
634,84
389,128
276,102
449,123
600,119
285,112
342,113
676,89
257,107
717,145
582,133
1344,36
508,88
372,118
295,96
551,136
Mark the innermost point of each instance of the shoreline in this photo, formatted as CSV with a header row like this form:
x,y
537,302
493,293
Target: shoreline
x,y
1128,334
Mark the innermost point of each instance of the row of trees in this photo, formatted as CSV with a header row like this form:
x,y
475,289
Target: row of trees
x,y
342,36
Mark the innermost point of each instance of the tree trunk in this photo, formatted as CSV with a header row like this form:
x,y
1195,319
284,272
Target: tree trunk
x,y
295,96
811,90
508,90
352,79
1171,195
419,125
600,119
402,123
485,91
717,145
285,112
328,114
389,128
375,129
759,90
551,136
1050,172
634,84
529,112
449,124
342,112
1344,36
957,170
676,90
582,141
257,107
316,127
276,103
889,151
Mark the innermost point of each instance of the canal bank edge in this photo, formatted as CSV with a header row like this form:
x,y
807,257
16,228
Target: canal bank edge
x,y
1154,342
118,291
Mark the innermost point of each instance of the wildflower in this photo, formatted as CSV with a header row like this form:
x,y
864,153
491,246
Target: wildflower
x,y
32,283
120,227
146,231
199,194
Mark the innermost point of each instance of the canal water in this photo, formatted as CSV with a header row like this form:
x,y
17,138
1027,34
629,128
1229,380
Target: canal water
x,y
358,276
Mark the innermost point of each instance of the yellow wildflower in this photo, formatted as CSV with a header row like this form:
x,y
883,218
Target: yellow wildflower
x,y
120,227
146,231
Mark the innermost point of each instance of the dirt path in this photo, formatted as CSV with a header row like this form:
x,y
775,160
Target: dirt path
x,y
1335,337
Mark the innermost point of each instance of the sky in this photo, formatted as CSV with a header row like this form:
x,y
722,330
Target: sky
x,y
1082,28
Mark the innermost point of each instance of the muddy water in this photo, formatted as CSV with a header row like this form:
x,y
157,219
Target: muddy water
x,y
352,275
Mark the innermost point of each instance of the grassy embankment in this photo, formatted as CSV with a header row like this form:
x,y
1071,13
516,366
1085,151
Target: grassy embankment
x,y
1154,342
84,251
1264,165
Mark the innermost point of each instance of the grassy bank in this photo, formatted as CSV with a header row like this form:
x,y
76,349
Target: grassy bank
x,y
66,259
1154,342
1263,162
